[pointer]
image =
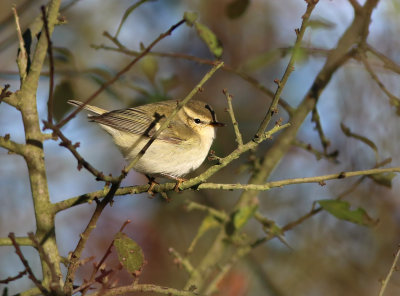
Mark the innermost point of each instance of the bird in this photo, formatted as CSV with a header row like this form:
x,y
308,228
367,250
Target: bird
x,y
179,149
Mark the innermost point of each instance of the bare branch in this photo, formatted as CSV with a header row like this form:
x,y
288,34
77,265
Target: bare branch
x,y
12,146
28,269
289,69
239,138
395,101
120,73
76,254
389,275
22,60
51,62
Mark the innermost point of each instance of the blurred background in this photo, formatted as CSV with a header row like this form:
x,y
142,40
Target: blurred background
x,y
327,256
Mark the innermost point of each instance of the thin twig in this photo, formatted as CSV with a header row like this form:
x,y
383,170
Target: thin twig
x,y
97,266
389,275
395,101
182,261
51,62
145,288
13,278
22,60
387,62
12,146
317,179
120,73
76,254
318,126
289,69
81,161
251,80
318,154
239,138
55,280
28,269
74,201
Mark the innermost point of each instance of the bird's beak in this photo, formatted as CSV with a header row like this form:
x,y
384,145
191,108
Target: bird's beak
x,y
217,124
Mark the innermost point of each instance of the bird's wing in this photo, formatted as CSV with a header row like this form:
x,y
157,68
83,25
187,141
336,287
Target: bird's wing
x,y
140,121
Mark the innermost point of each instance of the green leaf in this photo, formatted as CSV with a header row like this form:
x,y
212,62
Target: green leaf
x,y
208,223
237,8
190,17
384,179
170,83
300,55
149,67
241,216
130,254
341,210
320,23
63,92
260,61
210,39
128,11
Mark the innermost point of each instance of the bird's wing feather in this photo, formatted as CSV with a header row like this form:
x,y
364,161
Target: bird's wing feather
x,y
139,121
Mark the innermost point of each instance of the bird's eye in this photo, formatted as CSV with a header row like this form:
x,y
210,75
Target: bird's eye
x,y
197,121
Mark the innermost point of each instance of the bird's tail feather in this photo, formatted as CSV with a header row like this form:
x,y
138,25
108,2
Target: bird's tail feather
x,y
94,109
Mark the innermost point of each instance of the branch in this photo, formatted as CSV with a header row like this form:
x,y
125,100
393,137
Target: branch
x,y
51,61
181,261
235,124
389,275
12,146
28,269
318,154
13,278
120,73
81,161
158,188
76,254
387,63
289,69
21,241
22,59
251,80
9,97
395,101
318,126
317,179
145,288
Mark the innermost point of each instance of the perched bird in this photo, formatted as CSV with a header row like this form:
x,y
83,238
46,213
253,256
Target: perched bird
x,y
179,149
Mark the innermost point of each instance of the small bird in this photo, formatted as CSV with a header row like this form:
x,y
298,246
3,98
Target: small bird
x,y
179,149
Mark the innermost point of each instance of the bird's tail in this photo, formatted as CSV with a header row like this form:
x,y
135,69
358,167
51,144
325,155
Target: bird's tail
x,y
94,109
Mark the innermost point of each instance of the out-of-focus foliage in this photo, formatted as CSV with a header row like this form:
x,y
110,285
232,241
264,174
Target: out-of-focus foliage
x,y
327,256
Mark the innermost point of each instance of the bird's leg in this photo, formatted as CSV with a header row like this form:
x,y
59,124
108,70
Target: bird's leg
x,y
152,183
178,180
